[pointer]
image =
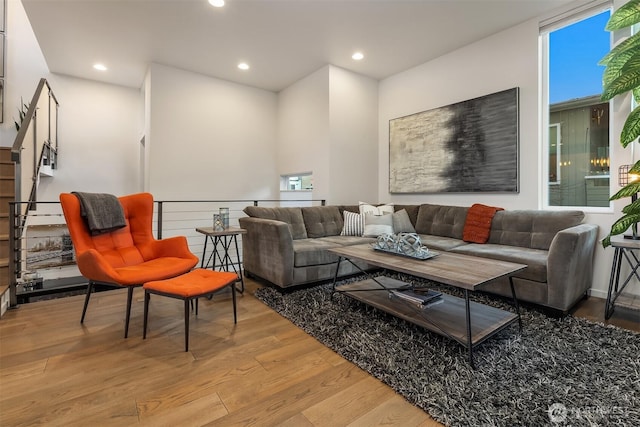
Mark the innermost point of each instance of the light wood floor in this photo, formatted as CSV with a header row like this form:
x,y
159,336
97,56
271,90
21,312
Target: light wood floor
x,y
263,371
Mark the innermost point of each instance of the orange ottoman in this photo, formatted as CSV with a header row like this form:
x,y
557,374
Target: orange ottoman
x,y
192,285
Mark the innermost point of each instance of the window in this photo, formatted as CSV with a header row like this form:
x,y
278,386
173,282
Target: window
x,y
296,182
576,143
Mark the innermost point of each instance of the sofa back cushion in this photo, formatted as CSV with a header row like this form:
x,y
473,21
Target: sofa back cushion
x,y
292,216
322,221
439,220
530,228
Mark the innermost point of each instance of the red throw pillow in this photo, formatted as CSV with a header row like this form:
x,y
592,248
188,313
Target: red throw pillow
x,y
477,226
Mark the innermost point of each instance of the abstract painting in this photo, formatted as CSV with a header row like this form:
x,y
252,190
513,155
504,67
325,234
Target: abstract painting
x,y
470,146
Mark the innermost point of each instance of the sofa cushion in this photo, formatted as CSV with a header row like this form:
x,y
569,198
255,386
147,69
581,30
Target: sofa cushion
x,y
440,243
536,259
307,252
321,221
349,240
439,220
292,216
530,228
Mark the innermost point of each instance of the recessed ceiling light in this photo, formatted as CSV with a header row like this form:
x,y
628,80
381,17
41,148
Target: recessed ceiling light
x,y
100,67
243,66
216,3
357,56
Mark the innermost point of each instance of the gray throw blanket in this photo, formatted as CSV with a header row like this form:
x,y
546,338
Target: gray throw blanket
x,y
103,212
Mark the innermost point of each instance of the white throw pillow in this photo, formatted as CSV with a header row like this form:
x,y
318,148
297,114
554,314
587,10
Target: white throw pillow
x,y
376,210
375,225
353,224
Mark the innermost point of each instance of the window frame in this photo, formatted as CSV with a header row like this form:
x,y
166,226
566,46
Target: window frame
x,y
546,27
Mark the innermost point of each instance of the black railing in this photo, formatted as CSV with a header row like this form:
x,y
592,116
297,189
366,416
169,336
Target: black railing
x,y
36,143
41,259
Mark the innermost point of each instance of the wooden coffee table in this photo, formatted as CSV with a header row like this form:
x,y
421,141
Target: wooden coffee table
x,y
467,322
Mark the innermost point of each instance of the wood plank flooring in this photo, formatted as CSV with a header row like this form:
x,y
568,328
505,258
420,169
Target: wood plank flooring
x,y
263,371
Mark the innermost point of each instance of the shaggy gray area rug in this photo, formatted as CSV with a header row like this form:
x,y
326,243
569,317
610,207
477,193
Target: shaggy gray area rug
x,y
559,371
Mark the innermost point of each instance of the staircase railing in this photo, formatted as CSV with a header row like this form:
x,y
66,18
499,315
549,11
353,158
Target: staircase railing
x,y
35,148
36,144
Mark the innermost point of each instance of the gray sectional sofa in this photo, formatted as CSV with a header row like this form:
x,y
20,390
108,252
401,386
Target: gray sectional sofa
x,y
288,247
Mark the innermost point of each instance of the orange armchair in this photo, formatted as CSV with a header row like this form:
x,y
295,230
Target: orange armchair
x,y
129,256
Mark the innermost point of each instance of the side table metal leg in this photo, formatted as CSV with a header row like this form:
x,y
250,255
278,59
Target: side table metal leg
x,y
204,252
235,241
613,281
469,344
216,254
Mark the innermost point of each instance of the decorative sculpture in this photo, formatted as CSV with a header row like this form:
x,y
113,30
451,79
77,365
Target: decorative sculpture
x,y
407,244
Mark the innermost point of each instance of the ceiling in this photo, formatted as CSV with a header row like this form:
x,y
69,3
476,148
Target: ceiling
x,y
282,40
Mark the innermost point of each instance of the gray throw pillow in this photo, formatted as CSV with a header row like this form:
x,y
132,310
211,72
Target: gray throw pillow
x,y
402,223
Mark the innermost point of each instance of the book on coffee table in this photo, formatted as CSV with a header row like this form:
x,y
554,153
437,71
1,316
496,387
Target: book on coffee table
x,y
420,299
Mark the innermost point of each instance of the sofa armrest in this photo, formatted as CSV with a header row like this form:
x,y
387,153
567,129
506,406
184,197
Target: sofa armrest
x,y
267,249
570,265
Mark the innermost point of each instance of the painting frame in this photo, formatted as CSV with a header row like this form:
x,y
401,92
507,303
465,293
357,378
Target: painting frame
x,y
472,146
48,246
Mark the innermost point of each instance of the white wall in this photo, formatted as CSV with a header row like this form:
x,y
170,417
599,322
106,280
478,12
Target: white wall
x,y
209,138
24,67
99,128
505,60
353,117
98,124
327,126
303,130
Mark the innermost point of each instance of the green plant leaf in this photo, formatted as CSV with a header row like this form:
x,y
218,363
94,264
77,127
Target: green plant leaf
x,y
623,224
617,62
625,16
635,169
627,191
623,83
606,241
632,208
629,44
636,94
615,67
631,128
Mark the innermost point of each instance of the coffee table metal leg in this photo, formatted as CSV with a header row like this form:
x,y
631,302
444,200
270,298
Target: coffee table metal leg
x,y
469,345
335,276
515,302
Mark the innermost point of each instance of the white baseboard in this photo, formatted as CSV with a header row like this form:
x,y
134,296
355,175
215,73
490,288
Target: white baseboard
x,y
598,294
626,300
